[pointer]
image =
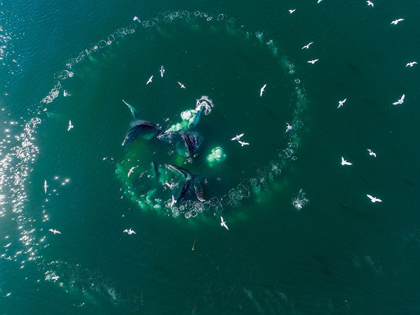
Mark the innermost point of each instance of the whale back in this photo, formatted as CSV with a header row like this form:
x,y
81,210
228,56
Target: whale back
x,y
141,129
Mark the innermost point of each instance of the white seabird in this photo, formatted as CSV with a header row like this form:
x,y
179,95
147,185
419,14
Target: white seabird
x,y
223,223
262,89
70,126
66,94
289,127
371,152
400,101
136,19
410,64
291,11
307,46
45,186
131,171
243,143
313,61
370,3
238,137
54,231
344,162
374,199
319,1
395,22
181,85
150,80
129,232
341,103
162,71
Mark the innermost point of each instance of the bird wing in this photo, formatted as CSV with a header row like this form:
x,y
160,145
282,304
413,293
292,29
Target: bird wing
x,y
370,197
402,97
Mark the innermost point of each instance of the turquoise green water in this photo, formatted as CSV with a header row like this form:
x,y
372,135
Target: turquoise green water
x,y
338,253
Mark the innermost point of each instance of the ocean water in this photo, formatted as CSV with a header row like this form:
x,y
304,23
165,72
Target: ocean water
x,y
303,236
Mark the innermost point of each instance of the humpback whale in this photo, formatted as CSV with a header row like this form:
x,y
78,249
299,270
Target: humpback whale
x,y
192,186
139,128
187,143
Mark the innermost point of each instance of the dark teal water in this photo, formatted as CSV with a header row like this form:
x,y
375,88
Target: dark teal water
x,y
338,254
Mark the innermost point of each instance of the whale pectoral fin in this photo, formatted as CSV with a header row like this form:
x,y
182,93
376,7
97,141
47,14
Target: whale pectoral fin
x,y
198,188
132,110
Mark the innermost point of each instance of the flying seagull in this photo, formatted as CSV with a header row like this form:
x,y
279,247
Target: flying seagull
x,y
370,3
397,21
410,64
45,186
54,231
291,11
400,101
66,94
319,1
344,162
371,152
243,143
70,126
181,85
162,71
238,137
289,127
150,80
341,103
129,232
131,171
223,223
136,19
313,61
374,199
307,46
262,90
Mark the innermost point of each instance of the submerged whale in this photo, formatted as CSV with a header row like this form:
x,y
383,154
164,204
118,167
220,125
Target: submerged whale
x,y
187,143
192,186
143,129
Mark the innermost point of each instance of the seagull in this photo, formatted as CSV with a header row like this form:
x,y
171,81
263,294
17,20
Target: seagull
x,y
54,231
410,64
313,61
224,223
400,101
344,162
370,3
341,103
129,232
319,1
131,171
70,126
243,143
371,152
162,71
238,137
397,21
45,186
289,127
307,46
291,11
150,80
181,85
173,201
262,90
66,94
374,199
136,19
